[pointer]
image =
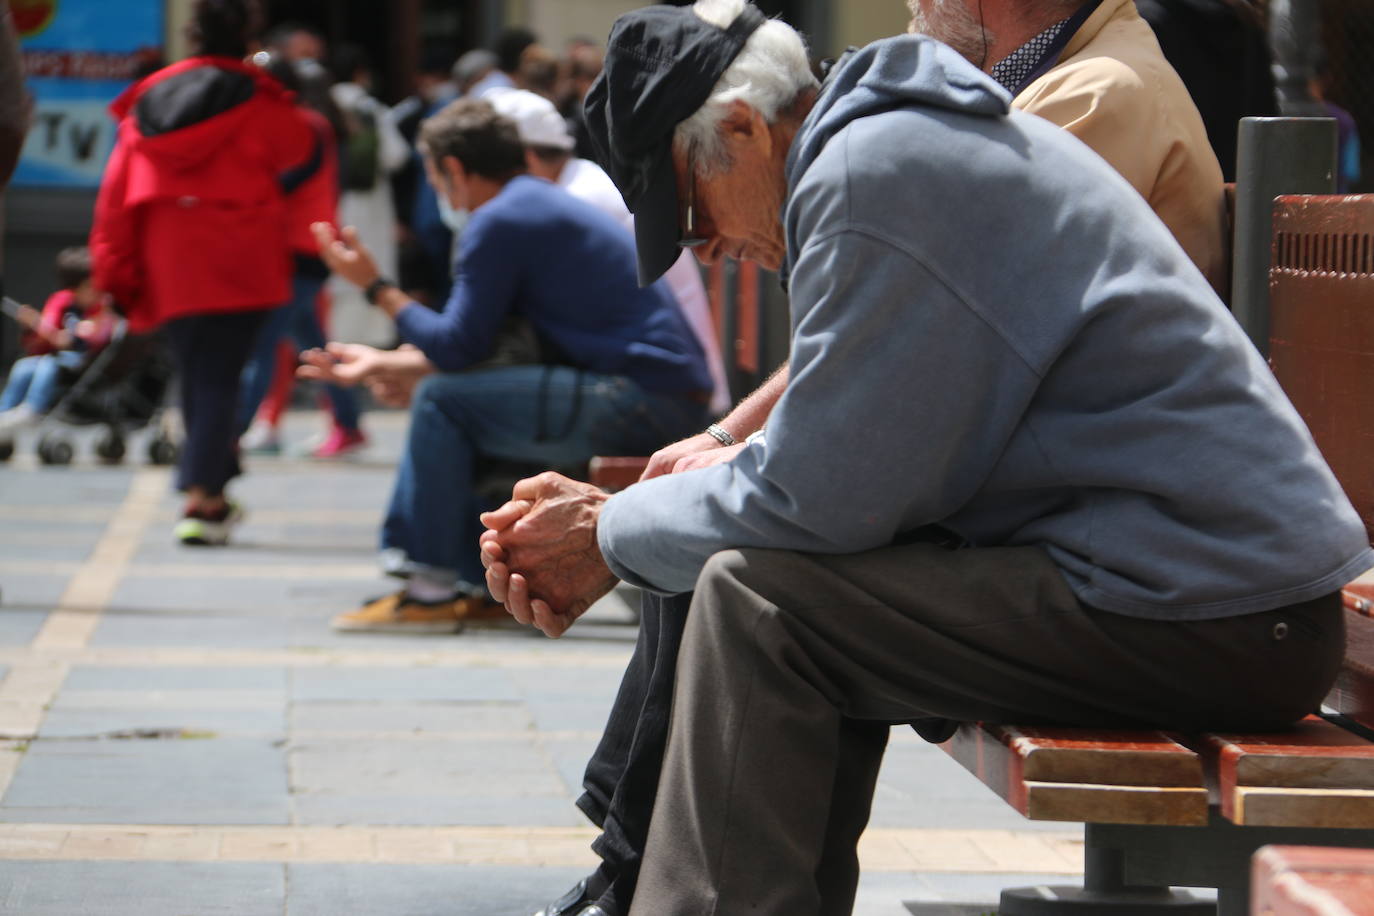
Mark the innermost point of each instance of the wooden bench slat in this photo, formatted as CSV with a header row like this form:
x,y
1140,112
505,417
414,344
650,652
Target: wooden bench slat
x,y
1314,774
1112,777
1055,801
1263,806
1313,881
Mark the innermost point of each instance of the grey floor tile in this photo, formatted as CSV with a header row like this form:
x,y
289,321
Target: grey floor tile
x,y
263,722
574,713
28,592
411,685
419,718
65,486
124,628
460,768
179,781
93,677
421,890
254,597
141,889
436,810
39,555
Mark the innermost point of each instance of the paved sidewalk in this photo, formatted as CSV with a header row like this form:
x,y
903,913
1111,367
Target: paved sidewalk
x,y
181,733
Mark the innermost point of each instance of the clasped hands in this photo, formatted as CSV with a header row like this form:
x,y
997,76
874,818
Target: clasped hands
x,y
541,554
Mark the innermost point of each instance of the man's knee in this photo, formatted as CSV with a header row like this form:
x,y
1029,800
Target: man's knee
x,y
757,575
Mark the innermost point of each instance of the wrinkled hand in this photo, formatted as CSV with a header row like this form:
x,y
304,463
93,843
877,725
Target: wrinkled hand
x,y
345,254
707,459
664,461
541,554
344,364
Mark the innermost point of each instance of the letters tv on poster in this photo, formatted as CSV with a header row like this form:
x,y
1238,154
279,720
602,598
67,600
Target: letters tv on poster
x,y
79,55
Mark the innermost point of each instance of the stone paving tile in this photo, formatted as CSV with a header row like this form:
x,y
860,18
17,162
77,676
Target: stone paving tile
x,y
442,809
141,889
126,628
29,591
410,685
464,781
240,595
570,756
180,781
263,722
418,718
36,554
423,890
98,678
59,486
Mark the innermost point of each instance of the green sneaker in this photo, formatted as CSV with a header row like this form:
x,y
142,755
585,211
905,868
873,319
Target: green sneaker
x,y
194,531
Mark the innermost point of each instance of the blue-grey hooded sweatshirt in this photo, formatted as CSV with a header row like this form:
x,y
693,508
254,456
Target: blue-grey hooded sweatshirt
x,y
993,333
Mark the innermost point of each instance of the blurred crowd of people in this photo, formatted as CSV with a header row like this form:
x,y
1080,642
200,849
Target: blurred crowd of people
x,y
238,171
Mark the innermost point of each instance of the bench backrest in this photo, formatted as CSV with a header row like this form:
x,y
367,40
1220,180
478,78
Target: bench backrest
x,y
1321,286
1321,291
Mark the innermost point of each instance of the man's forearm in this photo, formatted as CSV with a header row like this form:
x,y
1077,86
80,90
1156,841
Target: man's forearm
x,y
750,414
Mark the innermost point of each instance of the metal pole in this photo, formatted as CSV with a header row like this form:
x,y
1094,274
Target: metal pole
x,y
1275,156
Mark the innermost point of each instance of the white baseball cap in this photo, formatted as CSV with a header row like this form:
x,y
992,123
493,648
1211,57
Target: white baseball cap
x,y
538,122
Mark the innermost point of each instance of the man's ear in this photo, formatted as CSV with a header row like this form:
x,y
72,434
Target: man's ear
x,y
452,169
741,121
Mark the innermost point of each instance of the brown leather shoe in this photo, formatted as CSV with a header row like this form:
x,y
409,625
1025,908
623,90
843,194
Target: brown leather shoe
x,y
398,613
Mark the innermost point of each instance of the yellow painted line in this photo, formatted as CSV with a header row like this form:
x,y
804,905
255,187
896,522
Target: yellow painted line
x,y
552,847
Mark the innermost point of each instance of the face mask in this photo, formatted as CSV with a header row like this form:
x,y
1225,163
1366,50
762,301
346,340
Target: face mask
x,y
453,218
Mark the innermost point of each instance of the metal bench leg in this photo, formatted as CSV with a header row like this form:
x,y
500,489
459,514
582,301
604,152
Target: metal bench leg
x,y
1104,891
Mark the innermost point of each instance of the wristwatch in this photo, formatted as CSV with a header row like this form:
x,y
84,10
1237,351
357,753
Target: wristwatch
x,y
374,289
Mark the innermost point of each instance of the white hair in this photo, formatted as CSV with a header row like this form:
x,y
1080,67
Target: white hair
x,y
769,74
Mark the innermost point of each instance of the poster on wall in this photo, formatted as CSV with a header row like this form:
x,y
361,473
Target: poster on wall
x,y
78,56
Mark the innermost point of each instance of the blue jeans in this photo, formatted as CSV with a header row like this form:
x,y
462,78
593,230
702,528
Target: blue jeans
x,y
550,415
298,321
33,380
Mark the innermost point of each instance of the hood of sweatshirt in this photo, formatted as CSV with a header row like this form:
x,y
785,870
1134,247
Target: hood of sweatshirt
x,y
185,113
905,71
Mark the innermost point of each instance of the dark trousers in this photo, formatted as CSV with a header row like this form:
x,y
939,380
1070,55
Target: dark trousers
x,y
210,352
622,778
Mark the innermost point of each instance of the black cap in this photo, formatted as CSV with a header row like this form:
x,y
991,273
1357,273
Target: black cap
x,y
661,64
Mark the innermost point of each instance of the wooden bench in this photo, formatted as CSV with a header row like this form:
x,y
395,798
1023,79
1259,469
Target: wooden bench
x,y
1308,881
1172,810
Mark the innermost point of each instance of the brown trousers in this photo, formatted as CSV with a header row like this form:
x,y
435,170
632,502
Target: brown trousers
x,y
793,665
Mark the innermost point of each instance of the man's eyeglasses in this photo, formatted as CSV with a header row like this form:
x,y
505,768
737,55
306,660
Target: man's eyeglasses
x,y
687,224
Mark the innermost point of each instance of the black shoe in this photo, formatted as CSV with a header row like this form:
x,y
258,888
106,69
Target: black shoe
x,y
573,903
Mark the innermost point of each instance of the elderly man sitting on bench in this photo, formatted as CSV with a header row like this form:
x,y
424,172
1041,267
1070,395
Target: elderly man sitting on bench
x,y
1027,467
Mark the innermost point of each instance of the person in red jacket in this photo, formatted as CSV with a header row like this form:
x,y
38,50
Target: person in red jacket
x,y
312,197
190,232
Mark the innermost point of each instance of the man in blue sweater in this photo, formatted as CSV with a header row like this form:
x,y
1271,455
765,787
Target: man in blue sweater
x,y
547,351
1027,467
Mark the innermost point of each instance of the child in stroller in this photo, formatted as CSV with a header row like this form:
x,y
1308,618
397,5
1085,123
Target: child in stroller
x,y
84,369
74,324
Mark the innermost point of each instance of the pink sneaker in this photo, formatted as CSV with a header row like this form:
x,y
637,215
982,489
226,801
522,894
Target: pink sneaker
x,y
339,443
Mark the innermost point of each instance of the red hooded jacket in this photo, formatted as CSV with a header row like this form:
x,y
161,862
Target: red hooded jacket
x,y
191,217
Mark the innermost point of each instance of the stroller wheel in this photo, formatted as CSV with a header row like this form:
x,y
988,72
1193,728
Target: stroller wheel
x,y
55,451
162,451
110,449
6,449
